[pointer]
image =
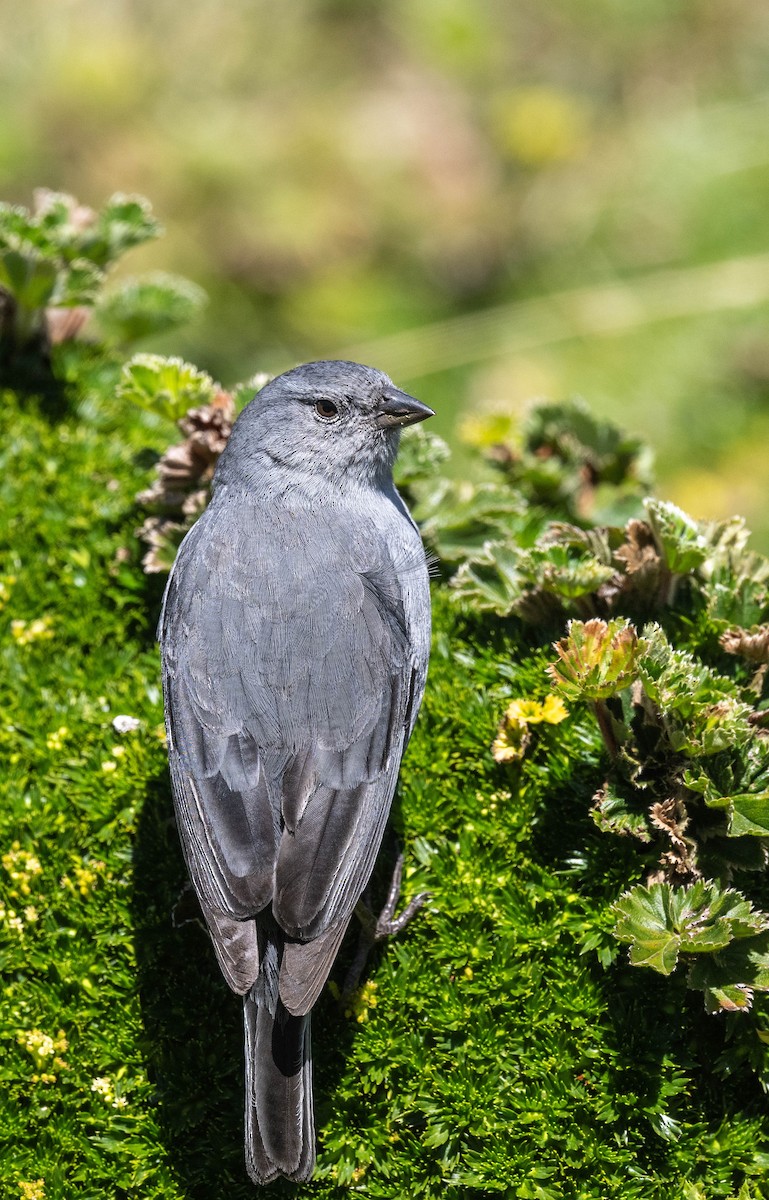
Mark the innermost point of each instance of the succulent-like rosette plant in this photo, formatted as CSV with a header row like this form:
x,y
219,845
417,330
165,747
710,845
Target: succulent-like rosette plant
x,y
596,659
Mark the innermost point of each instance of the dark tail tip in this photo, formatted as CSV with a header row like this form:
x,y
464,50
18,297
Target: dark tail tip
x,y
280,1127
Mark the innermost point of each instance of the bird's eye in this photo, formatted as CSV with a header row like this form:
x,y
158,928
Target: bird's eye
x,y
326,410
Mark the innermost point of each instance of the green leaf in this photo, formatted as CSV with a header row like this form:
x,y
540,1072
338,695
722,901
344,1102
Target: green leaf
x,y
614,813
678,537
420,456
15,223
491,581
660,922
750,815
737,782
77,283
729,977
701,711
568,562
151,304
597,659
734,580
569,452
27,275
124,222
243,393
168,386
643,920
459,520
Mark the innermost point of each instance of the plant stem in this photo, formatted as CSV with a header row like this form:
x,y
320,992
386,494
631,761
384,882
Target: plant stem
x,y
603,717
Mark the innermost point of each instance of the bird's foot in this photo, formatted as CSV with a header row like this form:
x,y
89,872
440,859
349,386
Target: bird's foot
x,y
375,929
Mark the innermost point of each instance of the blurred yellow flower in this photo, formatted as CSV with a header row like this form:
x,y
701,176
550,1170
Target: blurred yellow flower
x,y
87,875
43,1047
105,1088
540,125
6,584
21,865
488,429
511,741
34,1189
25,632
359,1003
55,740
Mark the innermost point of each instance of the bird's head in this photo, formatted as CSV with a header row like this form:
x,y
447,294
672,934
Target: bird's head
x,y
327,421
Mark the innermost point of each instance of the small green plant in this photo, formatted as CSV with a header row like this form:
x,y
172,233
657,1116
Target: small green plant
x,y
137,308
689,780
569,460
204,412
54,261
686,778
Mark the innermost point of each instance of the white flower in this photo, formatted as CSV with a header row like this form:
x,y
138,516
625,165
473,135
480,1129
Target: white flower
x,y
124,724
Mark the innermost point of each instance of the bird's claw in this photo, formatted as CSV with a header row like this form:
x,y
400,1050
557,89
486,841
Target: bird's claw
x,y
377,929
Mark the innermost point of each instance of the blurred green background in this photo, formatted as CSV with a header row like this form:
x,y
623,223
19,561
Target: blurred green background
x,y
491,201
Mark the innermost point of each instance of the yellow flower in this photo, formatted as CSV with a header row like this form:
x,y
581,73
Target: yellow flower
x,y
488,429
540,125
86,876
55,740
554,710
21,865
361,1000
531,712
109,765
25,632
511,741
105,1088
6,583
34,1189
43,1047
513,736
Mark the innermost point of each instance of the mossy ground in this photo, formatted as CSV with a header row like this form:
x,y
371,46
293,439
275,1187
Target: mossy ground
x,y
492,1056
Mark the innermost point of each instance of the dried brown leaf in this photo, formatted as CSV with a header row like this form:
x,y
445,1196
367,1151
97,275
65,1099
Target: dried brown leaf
x,y
639,552
752,644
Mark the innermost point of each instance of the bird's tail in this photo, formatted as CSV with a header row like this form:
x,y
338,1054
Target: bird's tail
x,y
280,1127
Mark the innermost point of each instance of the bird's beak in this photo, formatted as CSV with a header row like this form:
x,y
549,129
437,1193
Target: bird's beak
x,y
398,408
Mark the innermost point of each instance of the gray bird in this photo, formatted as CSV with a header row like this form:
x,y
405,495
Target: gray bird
x,y
295,637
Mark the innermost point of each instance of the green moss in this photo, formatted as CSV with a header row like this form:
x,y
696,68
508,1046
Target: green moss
x,y
499,1058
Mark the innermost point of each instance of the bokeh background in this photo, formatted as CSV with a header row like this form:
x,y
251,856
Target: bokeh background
x,y
492,201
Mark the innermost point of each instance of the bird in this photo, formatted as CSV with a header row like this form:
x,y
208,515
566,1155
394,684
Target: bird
x,y
294,637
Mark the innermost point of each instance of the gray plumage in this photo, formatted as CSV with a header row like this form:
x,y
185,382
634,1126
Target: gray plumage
x,y
295,637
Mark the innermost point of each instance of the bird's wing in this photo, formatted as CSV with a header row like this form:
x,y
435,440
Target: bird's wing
x,y
291,680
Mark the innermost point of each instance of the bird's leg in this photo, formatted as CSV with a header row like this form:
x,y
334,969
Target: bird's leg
x,y
377,929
